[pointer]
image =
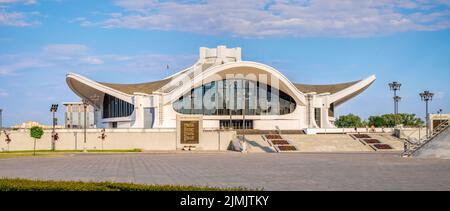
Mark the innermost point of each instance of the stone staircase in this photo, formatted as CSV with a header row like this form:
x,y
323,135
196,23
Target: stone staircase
x,y
279,143
414,147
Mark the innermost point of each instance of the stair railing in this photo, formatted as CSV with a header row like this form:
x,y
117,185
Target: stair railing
x,y
436,131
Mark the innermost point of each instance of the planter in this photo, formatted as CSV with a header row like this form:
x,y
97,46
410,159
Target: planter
x,y
371,141
273,136
361,136
382,146
287,148
280,142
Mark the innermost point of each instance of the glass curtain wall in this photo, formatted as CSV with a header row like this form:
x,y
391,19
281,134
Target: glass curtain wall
x,y
114,107
229,97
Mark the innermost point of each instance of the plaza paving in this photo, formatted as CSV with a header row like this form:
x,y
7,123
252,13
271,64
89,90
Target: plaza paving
x,y
271,171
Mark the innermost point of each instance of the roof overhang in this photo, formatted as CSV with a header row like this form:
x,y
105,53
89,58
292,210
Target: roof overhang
x,y
187,80
87,89
348,93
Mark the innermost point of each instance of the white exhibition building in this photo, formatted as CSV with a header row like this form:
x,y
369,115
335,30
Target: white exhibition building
x,y
221,90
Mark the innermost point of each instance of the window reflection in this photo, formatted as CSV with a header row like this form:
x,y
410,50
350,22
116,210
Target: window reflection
x,y
229,97
114,107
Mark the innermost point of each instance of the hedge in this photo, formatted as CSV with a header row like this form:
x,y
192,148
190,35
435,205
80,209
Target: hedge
x,y
41,185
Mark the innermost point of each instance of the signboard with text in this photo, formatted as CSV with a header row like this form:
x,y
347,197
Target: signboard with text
x,y
189,132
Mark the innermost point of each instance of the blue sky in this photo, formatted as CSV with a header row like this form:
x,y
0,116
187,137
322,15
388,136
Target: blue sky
x,y
310,41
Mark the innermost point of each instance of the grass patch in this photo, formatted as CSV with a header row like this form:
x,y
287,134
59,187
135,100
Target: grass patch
x,y
50,153
41,185
23,155
92,150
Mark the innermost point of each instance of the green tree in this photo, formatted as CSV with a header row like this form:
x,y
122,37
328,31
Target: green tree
x,y
348,121
36,132
410,120
391,120
365,123
376,121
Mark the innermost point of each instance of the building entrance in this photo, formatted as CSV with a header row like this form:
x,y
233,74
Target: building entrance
x,y
236,124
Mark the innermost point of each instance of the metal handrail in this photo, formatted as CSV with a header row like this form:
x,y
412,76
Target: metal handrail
x,y
434,133
408,137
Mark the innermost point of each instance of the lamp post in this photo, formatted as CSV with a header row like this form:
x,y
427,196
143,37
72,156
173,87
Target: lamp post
x,y
85,104
53,109
426,96
395,86
396,100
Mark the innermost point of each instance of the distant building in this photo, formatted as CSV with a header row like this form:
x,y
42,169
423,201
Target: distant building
x,y
437,119
29,124
74,115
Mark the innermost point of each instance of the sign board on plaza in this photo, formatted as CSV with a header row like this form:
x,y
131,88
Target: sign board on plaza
x,y
189,129
189,132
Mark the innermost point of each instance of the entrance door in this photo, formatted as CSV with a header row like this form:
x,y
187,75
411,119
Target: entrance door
x,y
236,124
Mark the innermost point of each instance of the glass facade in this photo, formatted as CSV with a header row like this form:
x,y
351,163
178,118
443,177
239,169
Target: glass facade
x,y
229,97
114,107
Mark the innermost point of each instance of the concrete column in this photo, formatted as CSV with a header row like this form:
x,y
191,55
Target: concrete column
x,y
140,101
310,110
138,121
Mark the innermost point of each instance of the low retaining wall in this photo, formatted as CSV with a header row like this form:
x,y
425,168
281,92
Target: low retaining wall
x,y
146,139
412,134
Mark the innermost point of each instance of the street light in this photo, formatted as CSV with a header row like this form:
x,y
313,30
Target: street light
x,y
396,100
395,86
426,96
85,104
54,109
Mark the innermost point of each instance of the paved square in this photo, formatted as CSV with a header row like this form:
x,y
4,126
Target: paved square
x,y
271,171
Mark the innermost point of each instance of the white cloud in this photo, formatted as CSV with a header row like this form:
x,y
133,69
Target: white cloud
x,y
92,60
257,18
65,49
79,58
3,93
14,63
18,1
150,62
439,95
14,18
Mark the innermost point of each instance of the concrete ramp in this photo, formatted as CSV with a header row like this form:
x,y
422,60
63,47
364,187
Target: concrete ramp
x,y
256,143
438,147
